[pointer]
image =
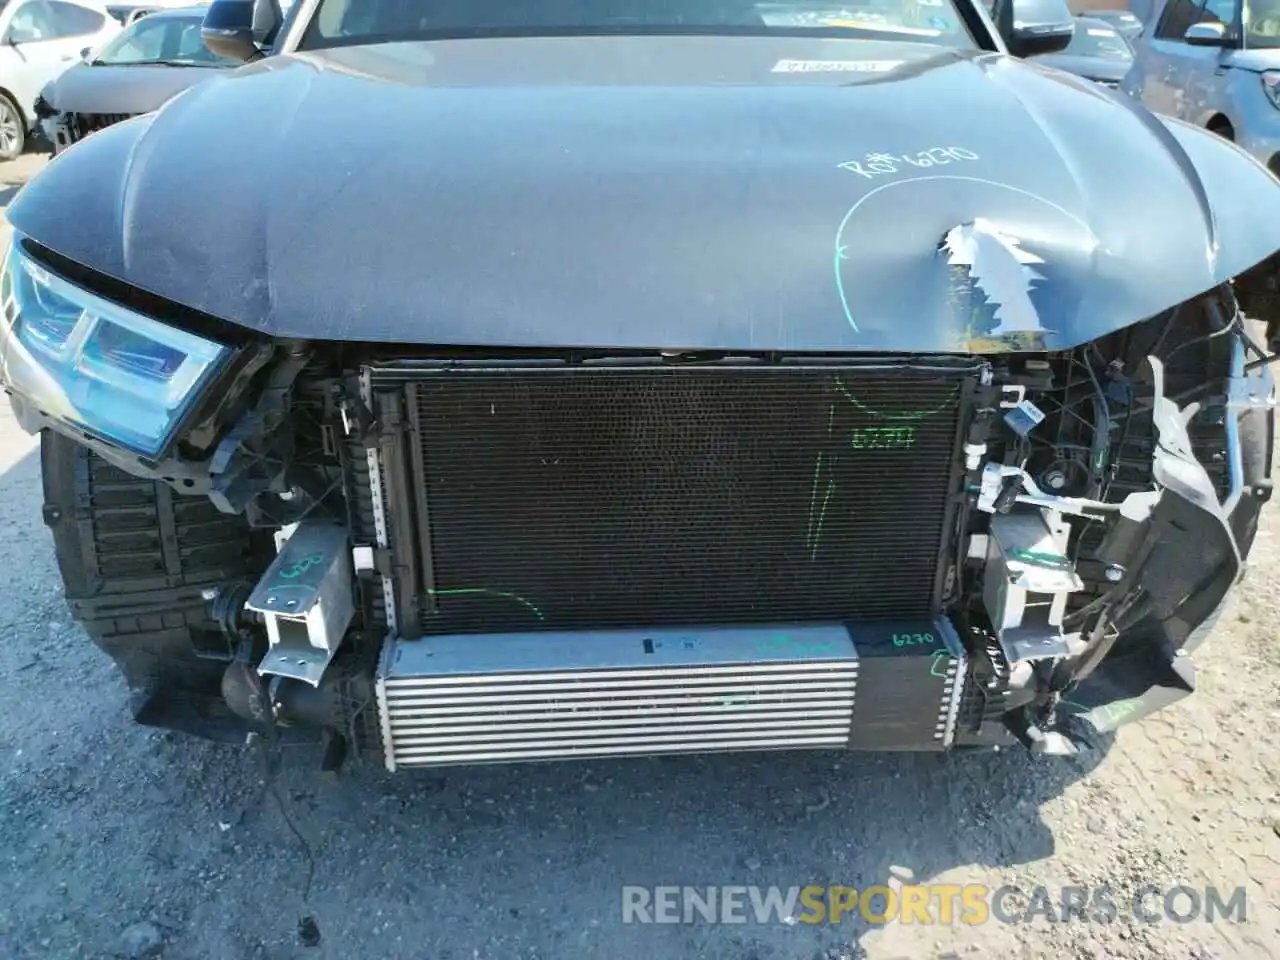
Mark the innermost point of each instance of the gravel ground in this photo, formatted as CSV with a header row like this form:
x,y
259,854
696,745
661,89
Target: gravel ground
x,y
120,841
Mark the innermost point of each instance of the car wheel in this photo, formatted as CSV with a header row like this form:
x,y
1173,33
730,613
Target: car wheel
x,y
1222,127
13,130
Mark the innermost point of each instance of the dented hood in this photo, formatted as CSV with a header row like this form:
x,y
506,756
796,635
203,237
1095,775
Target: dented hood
x,y
694,192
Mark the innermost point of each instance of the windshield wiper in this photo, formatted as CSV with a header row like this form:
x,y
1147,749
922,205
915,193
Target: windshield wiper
x,y
159,62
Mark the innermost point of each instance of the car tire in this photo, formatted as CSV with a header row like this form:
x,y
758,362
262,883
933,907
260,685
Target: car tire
x,y
13,130
1222,128
135,557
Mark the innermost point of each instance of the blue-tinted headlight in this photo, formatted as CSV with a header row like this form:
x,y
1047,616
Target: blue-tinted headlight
x,y
107,370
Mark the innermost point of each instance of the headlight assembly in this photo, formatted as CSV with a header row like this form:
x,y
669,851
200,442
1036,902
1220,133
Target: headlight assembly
x,y
95,365
1271,87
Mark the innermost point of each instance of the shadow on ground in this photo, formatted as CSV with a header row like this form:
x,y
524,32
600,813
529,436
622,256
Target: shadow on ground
x,y
524,846
489,862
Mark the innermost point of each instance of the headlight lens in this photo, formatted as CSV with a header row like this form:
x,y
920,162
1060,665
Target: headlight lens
x,y
1271,87
98,366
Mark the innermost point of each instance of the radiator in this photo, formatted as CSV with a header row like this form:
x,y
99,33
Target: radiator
x,y
594,498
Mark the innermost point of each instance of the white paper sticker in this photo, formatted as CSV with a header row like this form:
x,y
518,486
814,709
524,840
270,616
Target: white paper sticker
x,y
835,66
1099,32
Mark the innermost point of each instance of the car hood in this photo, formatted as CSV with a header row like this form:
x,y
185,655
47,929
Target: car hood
x,y
86,88
659,193
1257,60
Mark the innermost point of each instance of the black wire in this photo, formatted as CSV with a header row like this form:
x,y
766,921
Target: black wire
x,y
1119,448
1164,334
270,765
1101,429
1263,359
306,847
1260,362
1203,338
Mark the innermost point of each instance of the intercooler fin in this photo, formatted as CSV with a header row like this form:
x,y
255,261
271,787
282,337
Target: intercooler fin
x,y
462,699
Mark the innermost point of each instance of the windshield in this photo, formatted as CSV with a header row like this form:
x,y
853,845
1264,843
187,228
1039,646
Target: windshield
x,y
1097,39
163,39
1262,24
340,22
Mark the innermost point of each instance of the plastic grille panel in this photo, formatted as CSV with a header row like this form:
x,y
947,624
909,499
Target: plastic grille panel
x,y
612,498
83,124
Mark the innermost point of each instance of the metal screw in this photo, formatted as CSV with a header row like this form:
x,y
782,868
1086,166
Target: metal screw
x,y
1055,479
1114,573
209,594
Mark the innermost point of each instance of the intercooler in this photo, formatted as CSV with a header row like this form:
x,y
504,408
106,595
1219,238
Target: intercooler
x,y
558,510
544,696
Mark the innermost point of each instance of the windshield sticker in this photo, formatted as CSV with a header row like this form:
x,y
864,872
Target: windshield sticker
x,y
886,164
836,66
1095,32
882,25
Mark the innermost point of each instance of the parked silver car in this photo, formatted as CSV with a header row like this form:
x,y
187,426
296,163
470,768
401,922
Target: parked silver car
x,y
1097,52
1127,23
1215,63
155,58
39,39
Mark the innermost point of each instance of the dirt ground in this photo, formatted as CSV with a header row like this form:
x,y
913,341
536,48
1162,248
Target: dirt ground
x,y
120,841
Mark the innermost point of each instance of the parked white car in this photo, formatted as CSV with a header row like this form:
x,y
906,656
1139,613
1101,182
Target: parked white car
x,y
39,39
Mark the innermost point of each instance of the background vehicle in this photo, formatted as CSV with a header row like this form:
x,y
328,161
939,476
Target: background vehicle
x,y
705,376
126,13
1127,23
155,58
41,39
1215,63
1097,52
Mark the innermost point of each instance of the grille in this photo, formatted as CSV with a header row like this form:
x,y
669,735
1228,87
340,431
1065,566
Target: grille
x,y
79,125
599,498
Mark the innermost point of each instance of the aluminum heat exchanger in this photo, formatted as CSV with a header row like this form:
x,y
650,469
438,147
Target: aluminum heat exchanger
x,y
542,696
658,559
590,498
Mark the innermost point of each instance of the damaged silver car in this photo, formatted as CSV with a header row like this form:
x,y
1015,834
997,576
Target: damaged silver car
x,y
155,58
647,378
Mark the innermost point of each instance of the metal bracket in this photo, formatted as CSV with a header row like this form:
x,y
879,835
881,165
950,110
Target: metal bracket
x,y
1012,394
306,601
358,420
1027,583
992,487
369,560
